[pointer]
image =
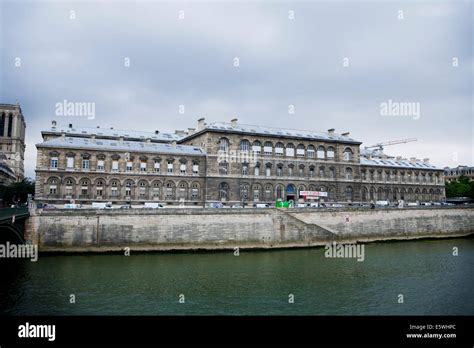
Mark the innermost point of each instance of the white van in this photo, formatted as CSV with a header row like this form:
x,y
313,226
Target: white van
x,y
101,205
382,203
262,205
153,205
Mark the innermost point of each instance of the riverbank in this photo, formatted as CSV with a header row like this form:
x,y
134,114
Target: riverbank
x,y
221,229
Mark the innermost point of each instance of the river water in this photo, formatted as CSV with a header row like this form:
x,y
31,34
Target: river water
x,y
425,272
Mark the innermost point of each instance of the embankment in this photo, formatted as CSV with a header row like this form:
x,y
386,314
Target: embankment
x,y
183,229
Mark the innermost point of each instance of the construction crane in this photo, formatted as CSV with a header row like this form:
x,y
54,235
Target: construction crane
x,y
380,146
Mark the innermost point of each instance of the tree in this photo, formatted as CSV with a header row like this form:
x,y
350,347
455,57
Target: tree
x,y
17,192
462,187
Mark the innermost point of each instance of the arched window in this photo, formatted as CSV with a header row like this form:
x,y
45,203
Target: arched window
x,y
321,152
268,192
257,147
268,169
330,153
223,191
290,150
347,155
244,145
349,193
311,171
279,149
279,192
349,173
224,144
300,150
332,172
322,172
256,169
195,191
310,151
268,148
169,191
280,170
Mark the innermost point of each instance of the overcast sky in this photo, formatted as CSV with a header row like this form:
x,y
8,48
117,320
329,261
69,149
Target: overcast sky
x,y
406,52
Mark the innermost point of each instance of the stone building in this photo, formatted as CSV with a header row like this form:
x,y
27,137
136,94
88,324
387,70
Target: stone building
x,y
12,142
225,162
452,174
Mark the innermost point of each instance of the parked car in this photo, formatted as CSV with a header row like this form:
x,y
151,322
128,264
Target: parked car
x,y
215,205
47,206
261,205
237,206
72,206
126,206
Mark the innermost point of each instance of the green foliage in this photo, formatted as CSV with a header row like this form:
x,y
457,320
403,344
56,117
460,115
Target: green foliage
x,y
462,187
17,192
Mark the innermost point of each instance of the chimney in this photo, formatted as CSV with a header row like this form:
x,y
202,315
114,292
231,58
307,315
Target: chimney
x,y
157,131
331,131
412,159
111,127
180,133
53,124
234,122
346,134
191,130
399,158
148,140
201,123
63,136
173,143
93,138
121,139
426,160
70,125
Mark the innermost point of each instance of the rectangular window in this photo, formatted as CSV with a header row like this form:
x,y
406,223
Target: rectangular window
x,y
182,168
267,171
143,166
52,189
157,167
170,167
129,166
194,193
300,152
245,170
85,164
195,169
70,162
278,151
100,165
114,192
54,162
290,152
256,149
268,150
99,191
115,166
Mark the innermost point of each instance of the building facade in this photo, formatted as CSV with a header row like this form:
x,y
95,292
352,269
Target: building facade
x,y
452,174
225,162
12,141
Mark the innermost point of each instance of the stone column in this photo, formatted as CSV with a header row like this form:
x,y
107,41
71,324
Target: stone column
x,y
5,131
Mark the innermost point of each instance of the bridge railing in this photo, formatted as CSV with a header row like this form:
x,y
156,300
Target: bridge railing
x,y
7,213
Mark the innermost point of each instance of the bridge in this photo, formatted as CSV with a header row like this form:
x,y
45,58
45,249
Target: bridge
x,y
12,224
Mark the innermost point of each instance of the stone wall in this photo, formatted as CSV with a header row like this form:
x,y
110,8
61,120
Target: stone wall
x,y
181,229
